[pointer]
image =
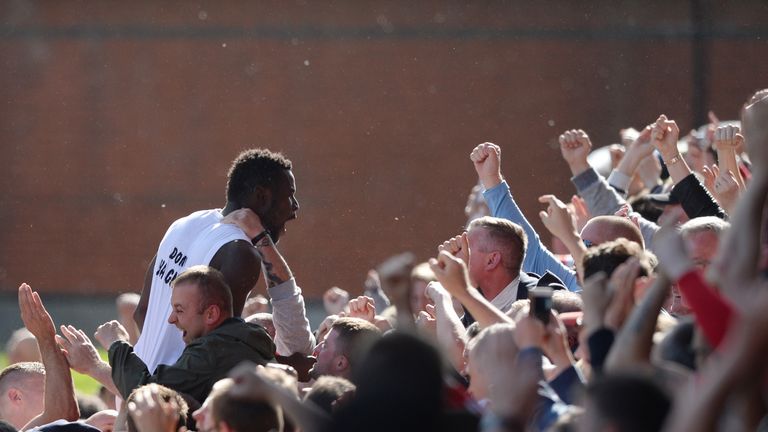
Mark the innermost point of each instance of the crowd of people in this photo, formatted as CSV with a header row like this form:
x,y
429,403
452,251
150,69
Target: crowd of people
x,y
645,313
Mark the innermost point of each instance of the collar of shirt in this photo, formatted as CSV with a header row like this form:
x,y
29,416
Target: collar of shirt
x,y
507,296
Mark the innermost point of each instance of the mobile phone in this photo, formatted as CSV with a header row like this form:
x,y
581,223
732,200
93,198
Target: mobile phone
x,y
541,303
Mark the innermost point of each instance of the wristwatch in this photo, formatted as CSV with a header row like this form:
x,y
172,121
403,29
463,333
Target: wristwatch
x,y
261,236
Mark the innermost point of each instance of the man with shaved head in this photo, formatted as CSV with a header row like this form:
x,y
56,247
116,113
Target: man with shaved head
x,y
22,387
601,229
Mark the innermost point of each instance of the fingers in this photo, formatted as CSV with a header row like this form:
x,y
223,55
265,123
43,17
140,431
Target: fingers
x,y
596,282
464,239
480,153
455,244
645,135
25,293
623,278
431,310
547,199
574,138
64,343
712,117
69,333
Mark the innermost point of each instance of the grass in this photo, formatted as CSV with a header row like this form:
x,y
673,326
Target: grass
x,y
83,383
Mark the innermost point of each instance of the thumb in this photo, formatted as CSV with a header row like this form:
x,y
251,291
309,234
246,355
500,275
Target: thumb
x,y
465,241
435,265
431,309
712,117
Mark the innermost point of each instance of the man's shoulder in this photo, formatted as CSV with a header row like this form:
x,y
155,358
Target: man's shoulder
x,y
210,214
236,335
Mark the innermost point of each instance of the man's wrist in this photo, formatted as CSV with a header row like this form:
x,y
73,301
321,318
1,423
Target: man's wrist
x,y
491,181
579,167
262,239
672,158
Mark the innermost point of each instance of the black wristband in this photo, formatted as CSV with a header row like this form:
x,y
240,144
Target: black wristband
x,y
263,234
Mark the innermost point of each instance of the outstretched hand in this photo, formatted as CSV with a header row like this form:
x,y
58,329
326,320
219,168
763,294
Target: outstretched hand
x,y
110,332
81,354
457,246
151,412
728,137
362,307
597,297
558,219
664,136
34,315
334,300
754,124
245,219
575,146
451,273
487,160
622,284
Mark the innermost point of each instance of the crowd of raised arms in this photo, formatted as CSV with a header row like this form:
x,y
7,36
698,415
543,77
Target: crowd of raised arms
x,y
647,312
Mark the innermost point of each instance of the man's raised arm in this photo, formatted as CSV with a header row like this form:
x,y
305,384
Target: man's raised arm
x,y
141,309
59,398
292,330
486,158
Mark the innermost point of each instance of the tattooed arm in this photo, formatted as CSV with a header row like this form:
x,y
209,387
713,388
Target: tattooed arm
x,y
276,270
289,314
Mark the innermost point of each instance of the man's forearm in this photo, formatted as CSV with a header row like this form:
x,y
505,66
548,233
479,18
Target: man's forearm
x,y
102,372
276,270
450,331
289,315
538,259
59,399
632,346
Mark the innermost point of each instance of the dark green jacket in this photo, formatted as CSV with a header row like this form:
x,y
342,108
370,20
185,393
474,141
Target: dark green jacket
x,y
204,361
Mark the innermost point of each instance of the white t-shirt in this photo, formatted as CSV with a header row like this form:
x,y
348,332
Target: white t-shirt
x,y
190,241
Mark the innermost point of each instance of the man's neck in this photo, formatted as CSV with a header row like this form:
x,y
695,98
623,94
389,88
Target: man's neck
x,y
229,208
495,285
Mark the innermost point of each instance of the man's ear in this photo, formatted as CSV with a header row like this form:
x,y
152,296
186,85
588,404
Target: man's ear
x,y
14,395
212,314
341,362
493,260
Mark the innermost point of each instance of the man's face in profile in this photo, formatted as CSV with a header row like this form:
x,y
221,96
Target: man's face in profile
x,y
283,205
186,314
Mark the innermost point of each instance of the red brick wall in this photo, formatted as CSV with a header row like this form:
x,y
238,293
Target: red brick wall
x,y
118,117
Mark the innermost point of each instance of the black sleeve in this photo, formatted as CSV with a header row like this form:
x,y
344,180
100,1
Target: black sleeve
x,y
599,343
128,371
695,199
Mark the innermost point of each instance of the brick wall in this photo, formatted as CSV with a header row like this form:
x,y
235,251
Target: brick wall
x,y
118,117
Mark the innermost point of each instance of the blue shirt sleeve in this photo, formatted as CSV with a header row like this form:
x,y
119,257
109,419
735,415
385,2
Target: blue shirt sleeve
x,y
538,259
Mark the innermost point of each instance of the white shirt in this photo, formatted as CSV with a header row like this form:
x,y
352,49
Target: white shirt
x,y
191,240
503,301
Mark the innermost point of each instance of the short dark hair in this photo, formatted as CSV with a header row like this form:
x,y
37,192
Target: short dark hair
x,y
634,403
245,414
508,236
7,427
252,168
213,288
606,257
167,395
326,390
356,336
